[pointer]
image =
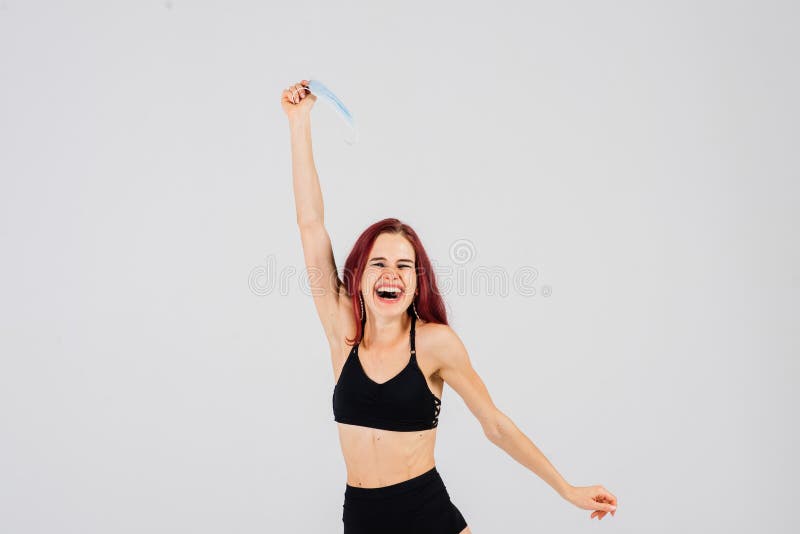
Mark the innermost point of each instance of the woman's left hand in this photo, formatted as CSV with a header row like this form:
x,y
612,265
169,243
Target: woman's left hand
x,y
595,498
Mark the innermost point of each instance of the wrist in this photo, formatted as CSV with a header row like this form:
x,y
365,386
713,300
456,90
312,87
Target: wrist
x,y
565,490
299,120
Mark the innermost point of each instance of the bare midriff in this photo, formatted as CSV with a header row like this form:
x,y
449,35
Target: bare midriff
x,y
377,458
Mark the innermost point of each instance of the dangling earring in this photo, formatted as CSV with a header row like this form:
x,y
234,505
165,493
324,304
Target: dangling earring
x,y
363,311
415,310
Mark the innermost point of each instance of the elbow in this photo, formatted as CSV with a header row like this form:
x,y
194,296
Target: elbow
x,y
492,435
493,428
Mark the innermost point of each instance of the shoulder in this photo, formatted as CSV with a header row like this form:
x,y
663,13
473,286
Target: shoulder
x,y
440,343
436,334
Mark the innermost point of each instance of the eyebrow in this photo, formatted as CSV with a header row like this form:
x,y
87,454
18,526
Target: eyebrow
x,y
398,261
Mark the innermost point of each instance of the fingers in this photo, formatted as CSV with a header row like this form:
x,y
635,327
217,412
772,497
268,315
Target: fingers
x,y
599,514
607,498
295,93
290,94
611,499
607,503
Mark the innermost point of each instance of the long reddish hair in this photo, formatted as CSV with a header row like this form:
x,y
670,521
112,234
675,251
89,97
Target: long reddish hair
x,y
429,303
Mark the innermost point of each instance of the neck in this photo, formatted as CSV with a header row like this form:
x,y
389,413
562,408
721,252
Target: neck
x,y
385,331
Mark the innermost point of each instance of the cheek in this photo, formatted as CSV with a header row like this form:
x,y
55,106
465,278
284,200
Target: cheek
x,y
410,281
368,282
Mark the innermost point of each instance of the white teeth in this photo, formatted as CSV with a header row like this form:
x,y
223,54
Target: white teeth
x,y
387,288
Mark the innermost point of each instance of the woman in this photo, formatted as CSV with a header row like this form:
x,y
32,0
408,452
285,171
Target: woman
x,y
388,394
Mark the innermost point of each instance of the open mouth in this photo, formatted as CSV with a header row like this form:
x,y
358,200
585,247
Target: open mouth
x,y
387,294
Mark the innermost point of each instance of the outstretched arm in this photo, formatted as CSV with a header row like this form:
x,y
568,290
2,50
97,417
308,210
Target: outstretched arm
x,y
297,102
456,369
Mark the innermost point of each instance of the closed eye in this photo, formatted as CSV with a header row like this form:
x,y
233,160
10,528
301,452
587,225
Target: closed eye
x,y
380,264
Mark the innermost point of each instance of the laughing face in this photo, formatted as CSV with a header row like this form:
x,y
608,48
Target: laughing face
x,y
390,278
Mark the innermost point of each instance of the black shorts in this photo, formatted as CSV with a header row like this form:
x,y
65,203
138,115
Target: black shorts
x,y
419,505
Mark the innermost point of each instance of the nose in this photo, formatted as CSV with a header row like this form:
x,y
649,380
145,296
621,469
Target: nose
x,y
389,274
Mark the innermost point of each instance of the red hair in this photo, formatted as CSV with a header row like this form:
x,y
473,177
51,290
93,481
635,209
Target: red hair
x,y
429,303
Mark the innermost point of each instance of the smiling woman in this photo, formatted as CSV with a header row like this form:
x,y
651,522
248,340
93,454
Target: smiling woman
x,y
392,351
389,256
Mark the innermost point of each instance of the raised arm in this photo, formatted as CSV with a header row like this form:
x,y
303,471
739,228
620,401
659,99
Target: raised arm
x,y
320,264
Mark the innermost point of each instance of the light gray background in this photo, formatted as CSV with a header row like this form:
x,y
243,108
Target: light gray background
x,y
642,157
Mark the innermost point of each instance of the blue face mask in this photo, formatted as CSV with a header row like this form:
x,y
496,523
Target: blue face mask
x,y
318,89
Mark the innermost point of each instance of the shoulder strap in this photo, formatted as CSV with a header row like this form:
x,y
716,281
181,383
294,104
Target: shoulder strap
x,y
413,348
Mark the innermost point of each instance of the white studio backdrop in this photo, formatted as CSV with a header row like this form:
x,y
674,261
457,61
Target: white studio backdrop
x,y
162,368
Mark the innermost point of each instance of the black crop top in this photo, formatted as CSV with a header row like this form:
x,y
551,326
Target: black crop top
x,y
403,403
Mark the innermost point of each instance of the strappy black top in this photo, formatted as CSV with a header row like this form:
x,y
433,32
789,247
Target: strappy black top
x,y
403,403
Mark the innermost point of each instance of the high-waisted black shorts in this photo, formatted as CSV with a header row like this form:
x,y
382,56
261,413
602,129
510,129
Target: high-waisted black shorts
x,y
419,505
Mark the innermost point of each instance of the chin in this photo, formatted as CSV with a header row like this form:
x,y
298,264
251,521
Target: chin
x,y
398,311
